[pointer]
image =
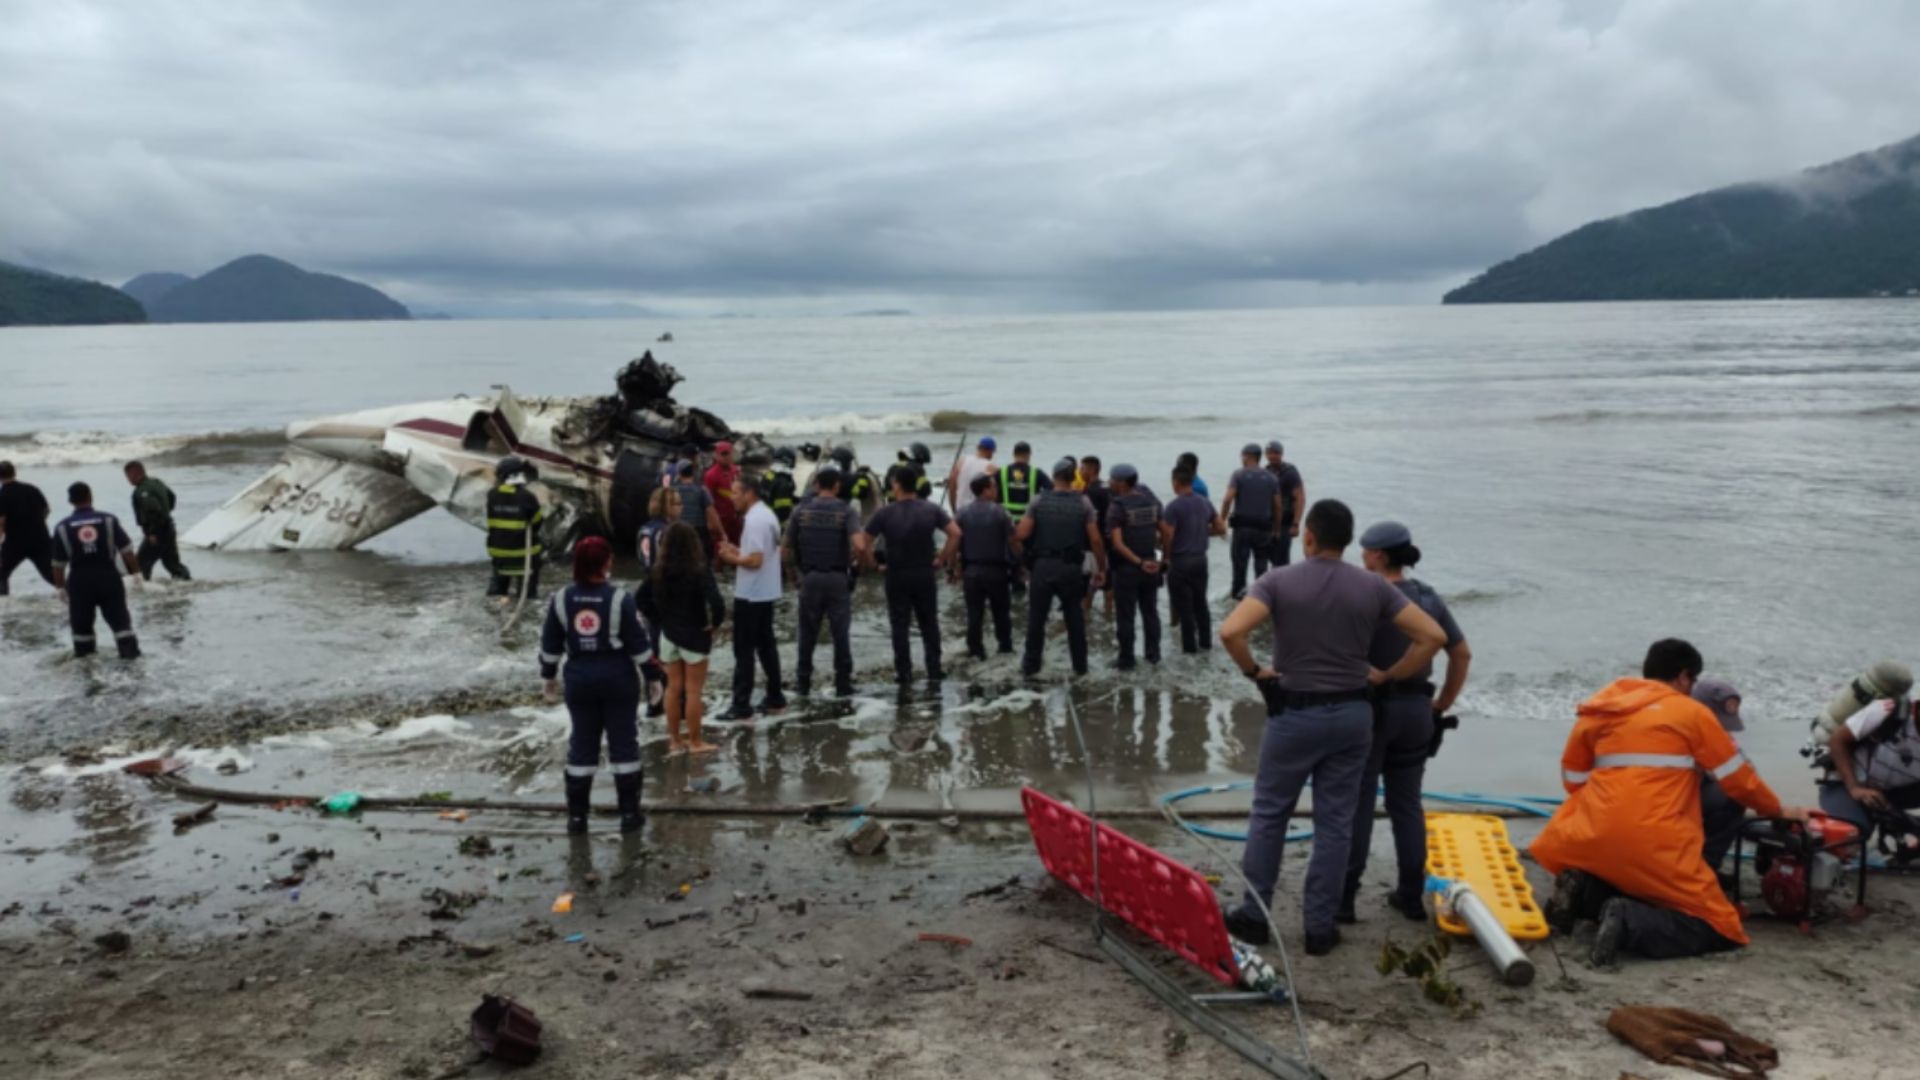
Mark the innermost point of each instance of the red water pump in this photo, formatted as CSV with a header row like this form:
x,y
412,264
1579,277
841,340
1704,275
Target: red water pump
x,y
1800,864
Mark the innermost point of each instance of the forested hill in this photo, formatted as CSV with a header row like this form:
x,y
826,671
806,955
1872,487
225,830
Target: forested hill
x,y
36,298
1847,229
260,288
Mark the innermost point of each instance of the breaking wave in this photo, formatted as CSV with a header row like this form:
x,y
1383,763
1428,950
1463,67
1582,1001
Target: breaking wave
x,y
1661,416
940,421
43,448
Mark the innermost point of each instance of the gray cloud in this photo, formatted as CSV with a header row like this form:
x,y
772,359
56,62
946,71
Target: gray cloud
x,y
826,157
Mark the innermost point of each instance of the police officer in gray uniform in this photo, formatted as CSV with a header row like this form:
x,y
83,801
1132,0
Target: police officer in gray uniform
x,y
989,554
1133,526
1324,613
1293,503
1252,509
1403,727
820,538
1058,530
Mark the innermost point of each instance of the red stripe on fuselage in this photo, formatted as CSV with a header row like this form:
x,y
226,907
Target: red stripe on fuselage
x,y
442,427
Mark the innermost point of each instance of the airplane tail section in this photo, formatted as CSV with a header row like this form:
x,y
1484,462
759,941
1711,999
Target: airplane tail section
x,y
309,502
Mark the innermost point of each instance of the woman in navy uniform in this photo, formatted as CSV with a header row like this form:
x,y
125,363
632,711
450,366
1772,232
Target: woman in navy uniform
x,y
1404,716
596,628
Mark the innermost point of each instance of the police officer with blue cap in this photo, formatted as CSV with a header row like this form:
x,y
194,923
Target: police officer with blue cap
x,y
1405,714
595,627
1133,530
83,549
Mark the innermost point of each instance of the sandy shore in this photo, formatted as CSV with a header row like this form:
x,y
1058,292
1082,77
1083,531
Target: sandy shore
x,y
368,964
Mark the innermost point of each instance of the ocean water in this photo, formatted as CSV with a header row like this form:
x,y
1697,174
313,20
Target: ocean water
x,y
1582,479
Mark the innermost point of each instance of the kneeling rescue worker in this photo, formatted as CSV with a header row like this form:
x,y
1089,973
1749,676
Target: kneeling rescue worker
x,y
595,627
514,516
83,549
1626,845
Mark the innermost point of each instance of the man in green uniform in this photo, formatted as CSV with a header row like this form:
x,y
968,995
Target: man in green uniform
x,y
514,517
153,504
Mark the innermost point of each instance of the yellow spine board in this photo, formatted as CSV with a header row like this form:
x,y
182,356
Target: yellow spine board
x,y
1475,848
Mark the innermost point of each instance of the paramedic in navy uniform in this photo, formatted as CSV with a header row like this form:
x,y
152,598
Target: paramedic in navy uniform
x,y
83,549
595,627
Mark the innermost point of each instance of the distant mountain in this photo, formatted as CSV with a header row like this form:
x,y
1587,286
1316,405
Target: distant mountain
x,y
1850,228
150,287
31,297
260,288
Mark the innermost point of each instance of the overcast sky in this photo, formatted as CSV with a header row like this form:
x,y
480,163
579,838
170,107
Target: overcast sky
x,y
827,157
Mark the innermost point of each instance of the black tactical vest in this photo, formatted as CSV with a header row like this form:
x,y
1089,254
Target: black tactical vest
x,y
1060,525
820,535
1139,523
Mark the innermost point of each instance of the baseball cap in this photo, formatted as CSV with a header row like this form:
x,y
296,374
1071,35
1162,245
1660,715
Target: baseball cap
x,y
1252,449
723,447
987,443
1126,473
1715,694
1022,448
1274,447
1386,534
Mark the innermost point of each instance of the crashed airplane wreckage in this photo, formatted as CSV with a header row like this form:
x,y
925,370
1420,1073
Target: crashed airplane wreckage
x,y
347,478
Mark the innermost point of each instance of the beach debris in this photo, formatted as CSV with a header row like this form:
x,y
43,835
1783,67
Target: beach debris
x,y
951,822
155,766
1693,1040
865,836
1426,963
954,941
448,905
993,890
661,924
199,815
477,846
574,939
453,815
229,767
703,785
344,802
287,804
305,860
563,904
760,991
505,1030
114,941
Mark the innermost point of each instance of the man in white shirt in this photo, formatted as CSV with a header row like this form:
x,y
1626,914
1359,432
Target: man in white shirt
x,y
960,481
756,588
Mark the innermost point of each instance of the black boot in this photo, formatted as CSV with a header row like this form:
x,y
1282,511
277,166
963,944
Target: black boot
x,y
627,787
579,802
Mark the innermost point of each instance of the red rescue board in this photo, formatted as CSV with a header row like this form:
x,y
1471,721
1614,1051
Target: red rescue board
x,y
1163,899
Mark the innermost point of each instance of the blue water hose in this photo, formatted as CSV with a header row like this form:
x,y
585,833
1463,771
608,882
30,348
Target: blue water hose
x,y
1531,805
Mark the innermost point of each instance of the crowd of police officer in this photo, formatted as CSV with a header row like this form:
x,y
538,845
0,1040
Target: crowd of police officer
x,y
1063,536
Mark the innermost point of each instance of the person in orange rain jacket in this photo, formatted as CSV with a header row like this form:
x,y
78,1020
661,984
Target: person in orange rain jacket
x,y
1626,845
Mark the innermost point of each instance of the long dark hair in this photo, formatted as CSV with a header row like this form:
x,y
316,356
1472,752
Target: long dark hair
x,y
681,554
1402,556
